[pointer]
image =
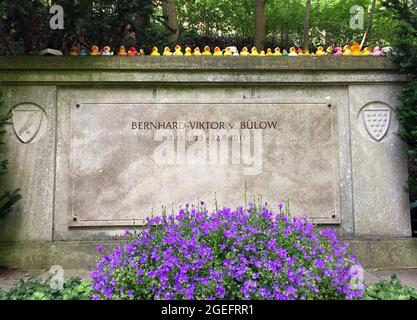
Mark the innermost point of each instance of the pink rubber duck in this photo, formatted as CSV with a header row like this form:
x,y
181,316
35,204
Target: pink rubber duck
x,y
338,52
377,52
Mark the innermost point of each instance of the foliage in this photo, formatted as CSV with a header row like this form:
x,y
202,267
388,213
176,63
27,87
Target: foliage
x,y
7,199
405,43
36,289
248,253
202,22
390,290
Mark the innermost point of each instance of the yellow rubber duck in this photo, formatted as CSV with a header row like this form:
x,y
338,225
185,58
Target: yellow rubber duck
x,y
356,49
306,53
122,51
167,52
300,52
254,52
95,51
178,51
367,51
269,52
228,52
320,52
197,52
262,53
74,52
244,52
329,51
217,52
277,52
188,52
347,51
207,51
155,52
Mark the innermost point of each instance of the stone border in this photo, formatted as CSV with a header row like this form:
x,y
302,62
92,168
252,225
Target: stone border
x,y
383,253
196,63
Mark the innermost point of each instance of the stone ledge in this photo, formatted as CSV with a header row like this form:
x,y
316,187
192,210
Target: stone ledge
x,y
246,64
379,253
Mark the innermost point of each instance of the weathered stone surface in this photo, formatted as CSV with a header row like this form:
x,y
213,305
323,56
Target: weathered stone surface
x,y
388,253
31,167
120,158
381,206
370,165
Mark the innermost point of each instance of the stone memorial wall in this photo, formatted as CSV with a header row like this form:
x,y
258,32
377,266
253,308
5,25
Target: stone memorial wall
x,y
100,144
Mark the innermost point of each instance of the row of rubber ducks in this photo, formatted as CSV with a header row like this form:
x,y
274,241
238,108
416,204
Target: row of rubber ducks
x,y
347,50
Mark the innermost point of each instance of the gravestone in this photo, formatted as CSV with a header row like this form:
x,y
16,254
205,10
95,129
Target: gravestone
x,y
100,144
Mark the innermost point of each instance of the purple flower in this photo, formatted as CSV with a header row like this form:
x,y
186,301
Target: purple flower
x,y
220,291
247,253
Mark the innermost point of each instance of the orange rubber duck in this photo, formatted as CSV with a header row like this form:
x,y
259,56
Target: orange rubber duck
x,y
122,51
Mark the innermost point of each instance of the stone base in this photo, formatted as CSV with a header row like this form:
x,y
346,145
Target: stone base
x,y
384,253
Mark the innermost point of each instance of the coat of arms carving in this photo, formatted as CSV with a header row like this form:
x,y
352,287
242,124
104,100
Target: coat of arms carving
x,y
27,121
377,121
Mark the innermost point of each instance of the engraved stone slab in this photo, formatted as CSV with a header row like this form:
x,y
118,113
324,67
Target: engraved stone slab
x,y
128,160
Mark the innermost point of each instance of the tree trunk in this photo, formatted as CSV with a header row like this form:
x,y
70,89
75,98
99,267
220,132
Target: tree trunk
x,y
169,8
260,24
370,19
307,25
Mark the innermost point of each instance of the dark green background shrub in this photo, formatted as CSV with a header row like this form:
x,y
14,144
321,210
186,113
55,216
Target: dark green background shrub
x,y
7,199
405,44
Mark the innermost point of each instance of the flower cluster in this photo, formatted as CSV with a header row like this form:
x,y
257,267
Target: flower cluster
x,y
247,253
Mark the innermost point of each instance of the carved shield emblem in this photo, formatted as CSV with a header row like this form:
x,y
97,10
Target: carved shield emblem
x,y
377,122
27,121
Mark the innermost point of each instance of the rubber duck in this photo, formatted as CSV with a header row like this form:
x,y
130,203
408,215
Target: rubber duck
x,y
217,52
155,52
329,51
300,52
244,52
307,53
277,52
293,52
188,52
338,52
367,51
83,52
387,51
320,52
178,51
347,51
74,52
377,51
356,49
197,52
167,52
262,53
285,53
122,51
234,51
95,51
107,51
141,52
132,52
254,52
207,51
228,52
269,52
